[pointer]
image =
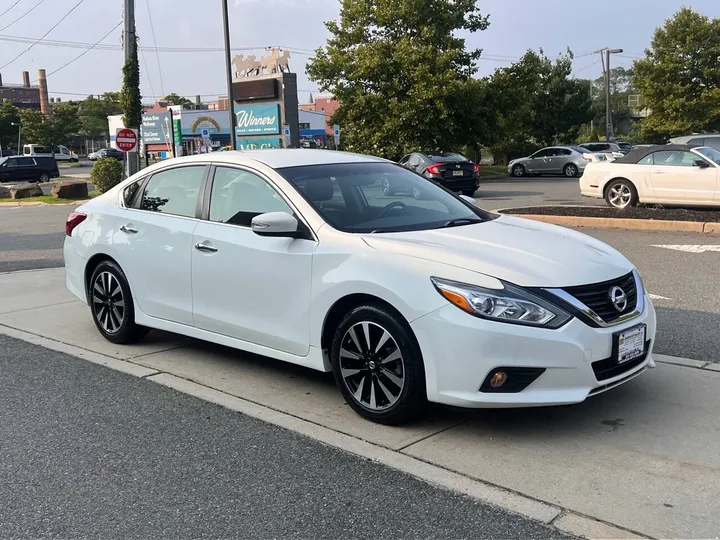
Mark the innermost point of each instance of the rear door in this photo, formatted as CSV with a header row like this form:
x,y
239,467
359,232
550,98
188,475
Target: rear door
x,y
153,242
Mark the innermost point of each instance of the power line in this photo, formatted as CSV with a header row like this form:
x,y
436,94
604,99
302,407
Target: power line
x,y
596,62
85,51
21,16
8,9
152,28
46,33
147,71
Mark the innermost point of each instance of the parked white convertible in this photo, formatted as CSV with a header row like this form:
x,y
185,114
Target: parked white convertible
x,y
668,174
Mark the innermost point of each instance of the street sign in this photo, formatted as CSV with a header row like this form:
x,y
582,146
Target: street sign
x,y
286,134
336,132
126,139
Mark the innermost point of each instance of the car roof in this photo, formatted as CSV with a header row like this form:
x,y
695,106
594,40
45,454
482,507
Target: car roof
x,y
638,153
278,158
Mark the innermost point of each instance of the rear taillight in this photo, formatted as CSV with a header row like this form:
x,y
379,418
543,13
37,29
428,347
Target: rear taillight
x,y
433,169
73,221
475,167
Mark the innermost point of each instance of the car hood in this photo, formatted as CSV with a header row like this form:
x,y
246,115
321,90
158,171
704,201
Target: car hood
x,y
521,251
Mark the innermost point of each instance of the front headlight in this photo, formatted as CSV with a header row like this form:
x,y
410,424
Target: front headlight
x,y
511,304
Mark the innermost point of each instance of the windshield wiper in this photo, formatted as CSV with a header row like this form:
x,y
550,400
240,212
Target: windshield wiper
x,y
460,221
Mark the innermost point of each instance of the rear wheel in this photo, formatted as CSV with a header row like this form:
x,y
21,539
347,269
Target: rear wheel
x,y
621,194
378,366
570,170
111,304
387,188
518,170
44,177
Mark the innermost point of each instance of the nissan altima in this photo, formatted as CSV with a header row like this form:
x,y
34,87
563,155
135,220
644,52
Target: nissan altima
x,y
413,297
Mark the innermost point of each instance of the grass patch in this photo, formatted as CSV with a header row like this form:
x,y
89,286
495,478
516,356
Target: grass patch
x,y
492,170
68,164
49,199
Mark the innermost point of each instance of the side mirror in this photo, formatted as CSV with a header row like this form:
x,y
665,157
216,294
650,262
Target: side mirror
x,y
701,163
469,200
275,224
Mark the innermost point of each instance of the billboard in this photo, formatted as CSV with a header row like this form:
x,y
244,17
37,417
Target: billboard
x,y
257,119
156,128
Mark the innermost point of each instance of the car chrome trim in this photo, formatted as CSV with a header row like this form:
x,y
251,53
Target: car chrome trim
x,y
577,304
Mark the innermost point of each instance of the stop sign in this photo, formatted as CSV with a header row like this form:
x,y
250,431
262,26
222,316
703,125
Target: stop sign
x,y
126,139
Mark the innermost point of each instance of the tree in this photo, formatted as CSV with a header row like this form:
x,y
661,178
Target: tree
x,y
65,122
620,89
679,78
130,98
9,115
174,99
36,127
538,104
94,114
400,73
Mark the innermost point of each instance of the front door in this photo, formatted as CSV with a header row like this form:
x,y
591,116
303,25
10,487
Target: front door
x,y
675,177
250,287
538,162
153,242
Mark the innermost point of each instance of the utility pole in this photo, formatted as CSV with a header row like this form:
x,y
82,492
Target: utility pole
x,y
19,125
132,164
606,71
229,75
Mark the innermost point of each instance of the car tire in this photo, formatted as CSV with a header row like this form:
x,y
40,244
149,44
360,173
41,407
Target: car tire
x,y
112,306
44,177
518,171
387,188
570,170
621,194
384,391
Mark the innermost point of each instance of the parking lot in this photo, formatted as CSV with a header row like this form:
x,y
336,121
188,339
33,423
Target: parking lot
x,y
639,457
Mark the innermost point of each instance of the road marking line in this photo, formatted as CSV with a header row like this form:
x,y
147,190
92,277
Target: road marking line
x,y
690,248
658,297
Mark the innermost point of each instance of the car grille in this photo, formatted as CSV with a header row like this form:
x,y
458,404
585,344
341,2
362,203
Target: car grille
x,y
597,297
609,368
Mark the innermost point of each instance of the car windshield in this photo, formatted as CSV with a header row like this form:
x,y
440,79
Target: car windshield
x,y
709,153
446,156
377,197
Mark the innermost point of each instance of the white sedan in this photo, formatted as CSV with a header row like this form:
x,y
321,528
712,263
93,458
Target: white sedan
x,y
298,255
666,174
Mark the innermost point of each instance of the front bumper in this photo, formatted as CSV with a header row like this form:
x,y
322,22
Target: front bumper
x,y
460,351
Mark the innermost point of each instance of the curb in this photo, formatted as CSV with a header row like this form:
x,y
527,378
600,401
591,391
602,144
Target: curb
x,y
555,517
712,228
38,203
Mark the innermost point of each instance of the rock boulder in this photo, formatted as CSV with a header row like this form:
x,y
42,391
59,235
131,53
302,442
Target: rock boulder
x,y
70,190
23,191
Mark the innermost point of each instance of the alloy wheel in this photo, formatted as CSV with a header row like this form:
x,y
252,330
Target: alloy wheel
x,y
518,170
372,366
108,302
619,195
570,170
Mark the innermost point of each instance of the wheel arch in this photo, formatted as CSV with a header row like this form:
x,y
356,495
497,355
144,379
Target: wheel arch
x,y
613,179
90,267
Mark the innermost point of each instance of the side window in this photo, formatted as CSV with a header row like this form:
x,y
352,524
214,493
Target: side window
x,y
541,153
674,158
697,142
13,163
414,160
563,152
238,196
129,193
24,162
174,192
713,142
404,160
647,160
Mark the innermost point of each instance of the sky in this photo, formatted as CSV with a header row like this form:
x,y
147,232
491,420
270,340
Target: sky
x,y
515,26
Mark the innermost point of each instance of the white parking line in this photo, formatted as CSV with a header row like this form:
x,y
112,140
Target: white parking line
x,y
658,297
690,248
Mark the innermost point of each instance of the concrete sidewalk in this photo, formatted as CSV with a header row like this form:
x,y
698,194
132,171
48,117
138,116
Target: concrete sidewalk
x,y
642,457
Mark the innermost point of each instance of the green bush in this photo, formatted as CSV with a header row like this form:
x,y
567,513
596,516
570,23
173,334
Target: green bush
x,y
106,174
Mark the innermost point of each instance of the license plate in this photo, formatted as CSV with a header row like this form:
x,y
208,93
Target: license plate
x,y
458,173
629,344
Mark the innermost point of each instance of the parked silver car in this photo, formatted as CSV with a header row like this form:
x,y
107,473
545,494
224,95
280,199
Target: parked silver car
x,y
565,160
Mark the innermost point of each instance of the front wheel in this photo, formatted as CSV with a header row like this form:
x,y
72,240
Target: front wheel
x,y
111,304
387,189
44,177
621,194
378,366
570,170
518,171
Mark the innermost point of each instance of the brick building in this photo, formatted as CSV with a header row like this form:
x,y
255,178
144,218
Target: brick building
x,y
24,96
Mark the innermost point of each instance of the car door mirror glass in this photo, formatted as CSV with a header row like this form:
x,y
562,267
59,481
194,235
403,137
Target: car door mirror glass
x,y
274,224
701,163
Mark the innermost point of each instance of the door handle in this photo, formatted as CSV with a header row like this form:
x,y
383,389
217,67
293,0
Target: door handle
x,y
209,248
128,229
658,172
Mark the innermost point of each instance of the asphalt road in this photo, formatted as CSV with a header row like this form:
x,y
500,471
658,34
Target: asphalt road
x,y
531,191
689,313
91,453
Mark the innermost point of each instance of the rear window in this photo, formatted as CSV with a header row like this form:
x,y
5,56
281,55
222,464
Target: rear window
x,y
447,156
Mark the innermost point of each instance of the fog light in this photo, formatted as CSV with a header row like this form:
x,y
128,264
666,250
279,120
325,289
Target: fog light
x,y
498,379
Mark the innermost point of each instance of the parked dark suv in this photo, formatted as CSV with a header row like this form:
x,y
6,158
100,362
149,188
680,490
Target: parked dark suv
x,y
449,169
28,169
